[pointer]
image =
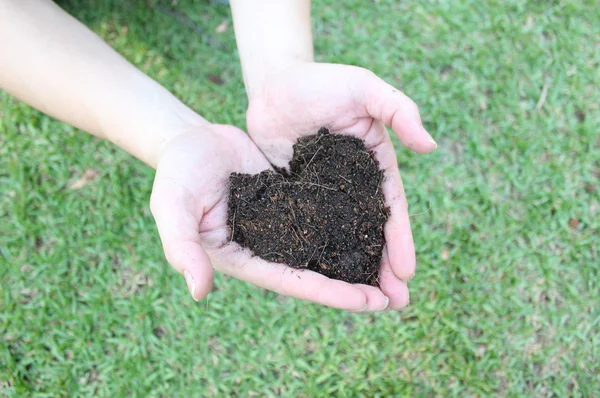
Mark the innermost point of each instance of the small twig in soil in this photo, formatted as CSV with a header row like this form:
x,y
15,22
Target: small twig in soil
x,y
345,179
291,255
316,185
373,273
311,256
313,158
318,182
323,251
379,184
298,237
292,210
245,201
318,139
233,224
306,183
258,180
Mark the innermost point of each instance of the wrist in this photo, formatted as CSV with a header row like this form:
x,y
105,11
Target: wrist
x,y
271,36
179,120
257,76
154,117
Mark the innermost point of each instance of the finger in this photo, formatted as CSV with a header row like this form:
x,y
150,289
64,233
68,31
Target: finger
x,y
376,299
395,289
303,284
399,247
397,110
178,230
191,260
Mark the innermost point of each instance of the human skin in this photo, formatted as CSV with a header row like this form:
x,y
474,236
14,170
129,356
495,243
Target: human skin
x,y
291,96
54,63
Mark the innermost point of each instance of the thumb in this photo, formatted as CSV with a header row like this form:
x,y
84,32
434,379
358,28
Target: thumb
x,y
178,230
189,259
397,110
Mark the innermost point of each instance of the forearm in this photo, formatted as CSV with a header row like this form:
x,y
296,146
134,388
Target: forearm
x,y
54,63
271,35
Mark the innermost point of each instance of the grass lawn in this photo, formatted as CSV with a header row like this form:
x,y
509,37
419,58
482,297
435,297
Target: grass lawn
x,y
506,217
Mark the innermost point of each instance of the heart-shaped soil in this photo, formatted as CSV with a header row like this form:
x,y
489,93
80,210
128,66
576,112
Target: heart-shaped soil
x,y
326,216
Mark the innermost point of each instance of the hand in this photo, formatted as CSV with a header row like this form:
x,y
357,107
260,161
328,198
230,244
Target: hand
x,y
189,204
348,100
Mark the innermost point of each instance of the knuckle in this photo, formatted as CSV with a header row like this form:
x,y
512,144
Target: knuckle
x,y
174,257
412,106
366,72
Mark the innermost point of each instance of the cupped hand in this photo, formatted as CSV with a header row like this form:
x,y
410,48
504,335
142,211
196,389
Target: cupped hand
x,y
347,100
189,204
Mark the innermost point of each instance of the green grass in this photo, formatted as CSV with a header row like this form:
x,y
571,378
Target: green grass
x,y
506,300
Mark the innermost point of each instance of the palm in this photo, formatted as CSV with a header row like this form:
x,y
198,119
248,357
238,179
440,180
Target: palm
x,y
191,177
189,203
352,101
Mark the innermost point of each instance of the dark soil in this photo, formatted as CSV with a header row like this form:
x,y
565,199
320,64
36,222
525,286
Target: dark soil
x,y
327,214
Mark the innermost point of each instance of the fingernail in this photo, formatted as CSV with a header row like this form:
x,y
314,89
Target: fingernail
x,y
405,307
432,141
364,308
387,302
190,284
